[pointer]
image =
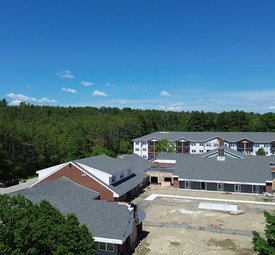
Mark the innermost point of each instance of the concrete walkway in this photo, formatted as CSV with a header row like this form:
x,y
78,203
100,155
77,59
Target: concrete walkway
x,y
154,196
19,186
198,228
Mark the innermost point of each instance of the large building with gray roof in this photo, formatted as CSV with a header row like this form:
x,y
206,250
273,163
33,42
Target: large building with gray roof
x,y
115,179
201,142
115,226
221,169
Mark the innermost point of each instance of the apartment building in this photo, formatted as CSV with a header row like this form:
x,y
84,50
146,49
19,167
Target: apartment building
x,y
201,142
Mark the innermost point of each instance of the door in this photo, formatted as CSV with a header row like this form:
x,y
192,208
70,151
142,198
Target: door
x,y
255,189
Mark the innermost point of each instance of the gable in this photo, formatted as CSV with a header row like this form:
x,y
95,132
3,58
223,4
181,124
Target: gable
x,y
78,176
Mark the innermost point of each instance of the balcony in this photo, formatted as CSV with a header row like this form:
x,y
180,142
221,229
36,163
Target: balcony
x,y
182,147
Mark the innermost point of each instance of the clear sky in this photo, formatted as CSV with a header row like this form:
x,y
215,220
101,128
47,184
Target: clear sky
x,y
151,54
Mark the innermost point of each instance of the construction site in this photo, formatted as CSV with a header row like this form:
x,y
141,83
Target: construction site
x,y
193,222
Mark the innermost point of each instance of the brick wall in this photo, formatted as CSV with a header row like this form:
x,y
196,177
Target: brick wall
x,y
268,187
176,182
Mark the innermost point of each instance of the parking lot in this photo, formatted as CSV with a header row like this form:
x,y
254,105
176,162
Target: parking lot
x,y
177,226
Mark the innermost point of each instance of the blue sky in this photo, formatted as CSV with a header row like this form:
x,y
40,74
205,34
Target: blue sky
x,y
149,54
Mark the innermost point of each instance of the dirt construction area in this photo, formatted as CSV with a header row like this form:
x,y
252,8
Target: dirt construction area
x,y
177,226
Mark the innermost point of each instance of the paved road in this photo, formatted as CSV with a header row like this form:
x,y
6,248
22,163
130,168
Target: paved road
x,y
19,186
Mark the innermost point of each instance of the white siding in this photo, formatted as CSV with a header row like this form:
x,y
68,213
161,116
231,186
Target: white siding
x,y
44,172
137,148
104,177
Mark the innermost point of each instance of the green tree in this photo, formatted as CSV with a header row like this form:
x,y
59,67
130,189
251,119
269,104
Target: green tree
x,y
40,229
265,246
98,150
165,145
261,152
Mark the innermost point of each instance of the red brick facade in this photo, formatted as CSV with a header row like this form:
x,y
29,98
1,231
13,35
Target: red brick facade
x,y
79,177
221,142
268,187
176,182
159,164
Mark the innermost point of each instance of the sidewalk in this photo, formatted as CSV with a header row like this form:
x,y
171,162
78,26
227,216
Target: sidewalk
x,y
153,196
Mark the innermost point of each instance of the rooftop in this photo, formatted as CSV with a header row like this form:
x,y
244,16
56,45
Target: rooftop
x,y
103,219
264,137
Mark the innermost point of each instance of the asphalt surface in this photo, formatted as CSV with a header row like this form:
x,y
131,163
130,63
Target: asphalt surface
x,y
19,186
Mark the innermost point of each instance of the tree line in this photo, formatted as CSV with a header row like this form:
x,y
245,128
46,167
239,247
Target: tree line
x,y
34,137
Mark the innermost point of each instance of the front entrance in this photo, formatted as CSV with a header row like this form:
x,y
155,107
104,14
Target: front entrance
x,y
203,185
168,179
154,179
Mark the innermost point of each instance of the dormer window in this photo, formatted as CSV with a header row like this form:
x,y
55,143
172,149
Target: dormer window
x,y
113,178
121,176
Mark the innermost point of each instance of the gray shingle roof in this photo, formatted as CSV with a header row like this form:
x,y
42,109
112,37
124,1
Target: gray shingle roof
x,y
64,186
251,170
257,137
105,164
103,219
139,164
227,152
134,162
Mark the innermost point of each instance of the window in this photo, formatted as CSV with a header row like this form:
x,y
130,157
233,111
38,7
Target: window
x,y
193,144
220,186
208,144
106,246
102,246
194,151
256,144
216,145
144,143
237,187
113,178
266,145
137,149
201,151
231,144
187,184
201,144
144,149
137,143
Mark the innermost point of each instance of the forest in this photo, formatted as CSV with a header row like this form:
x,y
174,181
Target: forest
x,y
34,137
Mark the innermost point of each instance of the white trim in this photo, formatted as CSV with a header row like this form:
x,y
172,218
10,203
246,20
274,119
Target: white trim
x,y
50,169
88,174
154,196
222,186
189,184
167,161
237,187
227,182
103,176
107,240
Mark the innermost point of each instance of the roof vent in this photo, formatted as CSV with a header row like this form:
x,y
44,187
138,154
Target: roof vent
x,y
219,158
